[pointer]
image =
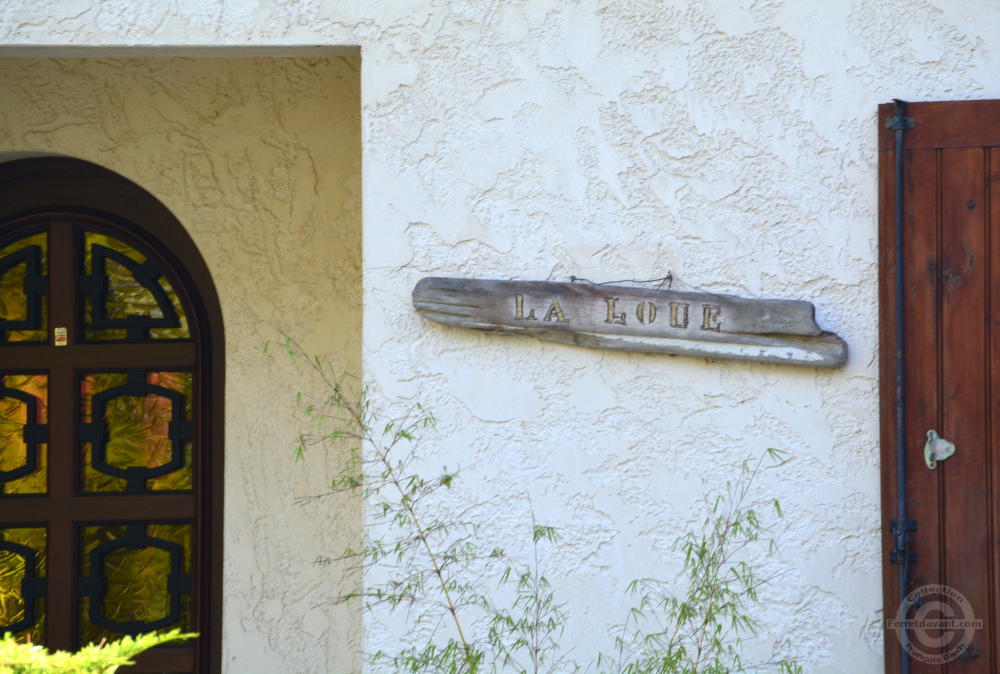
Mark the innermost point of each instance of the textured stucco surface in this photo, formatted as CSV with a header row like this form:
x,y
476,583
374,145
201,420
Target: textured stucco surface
x,y
260,160
730,142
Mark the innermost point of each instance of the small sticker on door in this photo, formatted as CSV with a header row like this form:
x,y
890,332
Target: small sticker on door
x,y
61,338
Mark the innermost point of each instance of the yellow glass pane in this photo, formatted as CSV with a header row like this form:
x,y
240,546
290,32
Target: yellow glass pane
x,y
13,448
13,301
135,579
137,431
12,572
94,480
126,296
178,480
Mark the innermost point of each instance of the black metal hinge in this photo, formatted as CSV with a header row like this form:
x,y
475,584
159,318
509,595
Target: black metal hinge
x,y
896,123
899,529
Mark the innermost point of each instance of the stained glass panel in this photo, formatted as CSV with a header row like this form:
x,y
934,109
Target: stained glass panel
x,y
22,582
141,581
126,296
23,294
23,433
142,437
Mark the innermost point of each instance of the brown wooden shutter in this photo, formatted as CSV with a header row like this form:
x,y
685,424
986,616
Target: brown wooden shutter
x,y
951,243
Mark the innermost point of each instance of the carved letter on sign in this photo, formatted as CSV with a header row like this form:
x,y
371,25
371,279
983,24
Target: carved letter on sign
x,y
723,326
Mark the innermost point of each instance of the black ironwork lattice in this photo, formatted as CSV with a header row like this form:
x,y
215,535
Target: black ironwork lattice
x,y
95,585
32,587
33,434
95,285
35,285
97,432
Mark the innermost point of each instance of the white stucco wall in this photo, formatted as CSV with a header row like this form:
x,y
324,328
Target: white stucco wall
x,y
732,143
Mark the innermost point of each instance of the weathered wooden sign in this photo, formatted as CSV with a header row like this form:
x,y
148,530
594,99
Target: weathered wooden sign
x,y
635,319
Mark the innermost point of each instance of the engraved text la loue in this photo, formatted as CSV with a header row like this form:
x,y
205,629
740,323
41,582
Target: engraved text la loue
x,y
635,319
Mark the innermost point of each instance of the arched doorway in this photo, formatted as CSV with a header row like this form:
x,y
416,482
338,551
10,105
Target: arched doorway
x,y
111,395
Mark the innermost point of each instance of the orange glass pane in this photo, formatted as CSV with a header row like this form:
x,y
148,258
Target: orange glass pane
x,y
13,300
126,296
14,451
13,569
135,580
137,432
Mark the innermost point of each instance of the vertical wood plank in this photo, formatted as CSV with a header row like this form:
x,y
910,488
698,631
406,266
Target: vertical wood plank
x,y
61,595
60,601
921,251
964,386
887,391
921,345
993,195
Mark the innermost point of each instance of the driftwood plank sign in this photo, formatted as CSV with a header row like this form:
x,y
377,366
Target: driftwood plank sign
x,y
635,319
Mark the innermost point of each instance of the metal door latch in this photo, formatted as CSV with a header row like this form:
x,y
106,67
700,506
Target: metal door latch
x,y
937,449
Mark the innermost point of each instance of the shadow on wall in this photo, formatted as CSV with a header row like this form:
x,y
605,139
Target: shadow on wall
x,y
260,159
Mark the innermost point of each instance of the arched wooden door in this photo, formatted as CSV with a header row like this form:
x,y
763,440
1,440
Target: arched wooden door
x,y
110,417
